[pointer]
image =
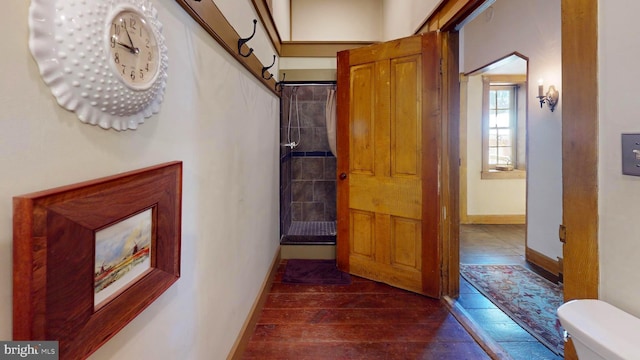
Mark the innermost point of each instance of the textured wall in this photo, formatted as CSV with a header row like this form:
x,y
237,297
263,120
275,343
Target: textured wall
x,y
216,118
619,244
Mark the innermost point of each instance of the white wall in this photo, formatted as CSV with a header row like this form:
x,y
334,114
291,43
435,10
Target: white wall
x,y
216,118
487,196
394,23
403,18
240,15
532,29
354,20
336,20
281,13
618,196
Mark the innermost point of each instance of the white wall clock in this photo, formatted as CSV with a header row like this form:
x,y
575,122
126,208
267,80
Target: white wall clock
x,y
106,60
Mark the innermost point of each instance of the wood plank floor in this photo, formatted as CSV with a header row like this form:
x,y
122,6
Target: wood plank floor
x,y
364,320
369,320
499,245
492,244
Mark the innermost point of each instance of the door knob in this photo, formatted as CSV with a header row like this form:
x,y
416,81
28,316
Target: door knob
x,y
343,176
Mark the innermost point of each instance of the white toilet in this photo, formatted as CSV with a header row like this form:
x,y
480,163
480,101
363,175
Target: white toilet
x,y
600,330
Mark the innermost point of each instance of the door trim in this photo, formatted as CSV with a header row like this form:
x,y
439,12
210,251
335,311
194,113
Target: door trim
x,y
580,136
580,147
342,161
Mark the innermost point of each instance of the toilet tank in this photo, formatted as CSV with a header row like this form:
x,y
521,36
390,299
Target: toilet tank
x,y
600,330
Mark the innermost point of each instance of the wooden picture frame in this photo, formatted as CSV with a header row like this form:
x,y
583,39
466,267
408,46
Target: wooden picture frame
x,y
54,244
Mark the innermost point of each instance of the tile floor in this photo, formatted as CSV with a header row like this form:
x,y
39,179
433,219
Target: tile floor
x,y
310,233
497,244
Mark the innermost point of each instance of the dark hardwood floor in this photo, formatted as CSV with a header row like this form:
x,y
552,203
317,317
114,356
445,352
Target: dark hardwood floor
x,y
497,245
492,244
364,320
369,320
500,245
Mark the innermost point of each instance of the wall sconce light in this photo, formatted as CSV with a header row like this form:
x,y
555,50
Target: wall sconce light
x,y
551,98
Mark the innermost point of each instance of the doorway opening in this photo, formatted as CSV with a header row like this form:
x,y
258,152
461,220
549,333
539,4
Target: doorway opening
x,y
494,173
493,142
307,165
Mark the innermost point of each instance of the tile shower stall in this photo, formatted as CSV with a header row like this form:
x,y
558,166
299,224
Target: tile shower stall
x,y
307,167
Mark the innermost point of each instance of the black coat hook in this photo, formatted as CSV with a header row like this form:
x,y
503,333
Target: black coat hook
x,y
279,83
243,41
265,68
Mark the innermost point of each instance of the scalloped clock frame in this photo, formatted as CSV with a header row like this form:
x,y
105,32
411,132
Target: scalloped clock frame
x,y
92,55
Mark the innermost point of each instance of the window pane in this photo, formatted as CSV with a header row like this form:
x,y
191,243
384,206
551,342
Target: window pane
x,y
503,99
492,99
493,156
503,118
504,155
493,138
504,137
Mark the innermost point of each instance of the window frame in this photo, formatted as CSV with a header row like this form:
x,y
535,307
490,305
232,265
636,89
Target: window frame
x,y
489,171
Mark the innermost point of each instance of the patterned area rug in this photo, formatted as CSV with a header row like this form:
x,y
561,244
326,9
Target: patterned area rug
x,y
529,299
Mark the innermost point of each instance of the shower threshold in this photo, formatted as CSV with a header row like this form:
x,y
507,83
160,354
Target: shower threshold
x,y
310,233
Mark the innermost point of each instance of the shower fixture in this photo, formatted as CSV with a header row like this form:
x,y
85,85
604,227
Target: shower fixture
x,y
293,100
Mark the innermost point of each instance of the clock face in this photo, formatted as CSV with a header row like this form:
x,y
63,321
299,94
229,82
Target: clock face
x,y
133,49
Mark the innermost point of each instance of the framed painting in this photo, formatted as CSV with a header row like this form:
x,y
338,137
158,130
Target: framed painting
x,y
89,257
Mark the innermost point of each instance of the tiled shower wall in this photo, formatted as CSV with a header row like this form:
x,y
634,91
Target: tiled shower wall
x,y
308,172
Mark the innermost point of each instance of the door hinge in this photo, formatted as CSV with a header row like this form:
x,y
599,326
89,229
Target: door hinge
x,y
441,61
562,234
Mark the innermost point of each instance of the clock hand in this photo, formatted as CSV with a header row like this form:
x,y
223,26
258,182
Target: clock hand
x,y
127,31
131,49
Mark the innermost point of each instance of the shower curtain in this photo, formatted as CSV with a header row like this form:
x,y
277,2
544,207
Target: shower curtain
x,y
330,113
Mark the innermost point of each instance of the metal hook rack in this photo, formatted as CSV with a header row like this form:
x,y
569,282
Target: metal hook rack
x,y
265,68
243,41
280,83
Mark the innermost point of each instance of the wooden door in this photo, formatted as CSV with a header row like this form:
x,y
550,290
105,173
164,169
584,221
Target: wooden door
x,y
388,163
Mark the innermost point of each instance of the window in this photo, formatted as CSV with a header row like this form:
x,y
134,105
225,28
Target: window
x,y
502,121
502,131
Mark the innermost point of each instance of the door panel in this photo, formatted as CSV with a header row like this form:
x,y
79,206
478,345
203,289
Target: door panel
x,y
362,141
362,225
406,240
387,228
399,197
405,115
